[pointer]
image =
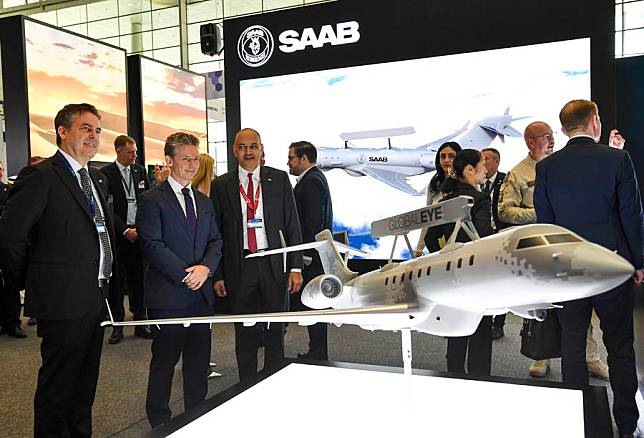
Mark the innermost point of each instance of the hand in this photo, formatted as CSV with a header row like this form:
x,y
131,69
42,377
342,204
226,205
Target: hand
x,y
419,253
131,234
615,140
294,282
220,288
161,173
638,276
197,276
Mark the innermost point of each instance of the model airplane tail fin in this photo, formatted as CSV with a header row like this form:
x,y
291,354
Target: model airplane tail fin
x,y
331,260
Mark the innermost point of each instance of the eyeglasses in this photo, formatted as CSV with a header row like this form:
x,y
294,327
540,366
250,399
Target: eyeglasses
x,y
547,137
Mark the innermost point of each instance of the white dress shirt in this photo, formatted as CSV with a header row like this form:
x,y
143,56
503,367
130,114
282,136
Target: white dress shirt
x,y
260,233
176,188
76,166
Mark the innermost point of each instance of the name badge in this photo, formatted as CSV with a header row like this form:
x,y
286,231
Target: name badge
x,y
254,223
141,184
100,227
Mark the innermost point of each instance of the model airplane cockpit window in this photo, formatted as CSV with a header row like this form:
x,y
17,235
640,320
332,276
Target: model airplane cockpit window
x,y
562,238
531,242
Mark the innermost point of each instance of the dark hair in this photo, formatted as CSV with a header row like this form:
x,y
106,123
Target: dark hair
x,y
494,151
176,139
68,114
576,114
305,148
461,160
439,177
121,141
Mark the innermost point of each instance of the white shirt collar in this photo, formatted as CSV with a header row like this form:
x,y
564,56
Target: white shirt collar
x,y
243,174
492,178
176,187
582,135
76,166
120,166
304,173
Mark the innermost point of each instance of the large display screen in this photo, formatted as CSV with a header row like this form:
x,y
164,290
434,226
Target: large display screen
x,y
358,118
173,100
65,68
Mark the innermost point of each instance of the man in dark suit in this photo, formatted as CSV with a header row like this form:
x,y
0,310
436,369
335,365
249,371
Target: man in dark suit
x,y
315,211
56,237
181,250
9,294
492,186
591,189
127,181
253,204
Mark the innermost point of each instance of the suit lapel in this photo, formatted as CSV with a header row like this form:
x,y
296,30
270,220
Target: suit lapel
x,y
171,199
70,181
235,204
117,177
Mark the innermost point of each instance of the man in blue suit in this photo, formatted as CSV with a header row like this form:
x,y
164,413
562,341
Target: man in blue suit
x,y
181,250
591,189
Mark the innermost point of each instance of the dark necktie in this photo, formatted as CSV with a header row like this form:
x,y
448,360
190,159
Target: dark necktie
x,y
488,186
98,218
191,218
250,214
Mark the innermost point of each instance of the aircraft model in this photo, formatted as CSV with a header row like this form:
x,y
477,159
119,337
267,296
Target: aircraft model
x,y
525,270
392,165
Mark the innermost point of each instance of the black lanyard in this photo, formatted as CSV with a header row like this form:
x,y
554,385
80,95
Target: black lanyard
x,y
128,187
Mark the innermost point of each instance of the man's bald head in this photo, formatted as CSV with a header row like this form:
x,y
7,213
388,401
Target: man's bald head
x,y
540,140
248,148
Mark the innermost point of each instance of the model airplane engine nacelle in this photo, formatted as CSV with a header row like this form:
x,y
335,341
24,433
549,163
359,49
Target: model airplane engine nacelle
x,y
427,160
322,292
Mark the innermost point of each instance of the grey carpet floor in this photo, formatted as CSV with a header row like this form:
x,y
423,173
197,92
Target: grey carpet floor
x,y
119,409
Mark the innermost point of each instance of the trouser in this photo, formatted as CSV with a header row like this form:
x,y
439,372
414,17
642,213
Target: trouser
x,y
615,312
477,347
258,292
9,304
317,332
71,352
169,343
130,279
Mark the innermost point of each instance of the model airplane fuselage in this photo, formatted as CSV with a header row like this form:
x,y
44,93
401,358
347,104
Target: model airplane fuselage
x,y
524,270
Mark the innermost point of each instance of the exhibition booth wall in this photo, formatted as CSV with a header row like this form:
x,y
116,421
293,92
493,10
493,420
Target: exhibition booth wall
x,y
378,82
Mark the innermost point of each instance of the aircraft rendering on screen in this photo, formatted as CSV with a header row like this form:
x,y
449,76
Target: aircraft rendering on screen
x,y
392,165
525,270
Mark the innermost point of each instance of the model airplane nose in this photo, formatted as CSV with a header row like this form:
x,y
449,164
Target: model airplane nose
x,y
607,265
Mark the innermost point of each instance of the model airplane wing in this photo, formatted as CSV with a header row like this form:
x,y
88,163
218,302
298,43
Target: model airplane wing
x,y
393,179
395,315
436,143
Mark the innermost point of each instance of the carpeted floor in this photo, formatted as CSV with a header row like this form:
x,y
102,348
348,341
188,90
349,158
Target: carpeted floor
x,y
119,409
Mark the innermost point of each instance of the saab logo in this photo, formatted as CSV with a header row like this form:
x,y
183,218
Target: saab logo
x,y
379,159
344,33
255,46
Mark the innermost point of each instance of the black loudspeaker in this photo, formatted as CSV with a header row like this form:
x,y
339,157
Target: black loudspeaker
x,y
208,33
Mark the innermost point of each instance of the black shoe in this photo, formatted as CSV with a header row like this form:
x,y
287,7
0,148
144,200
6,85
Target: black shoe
x,y
497,332
311,355
117,335
17,332
143,331
32,321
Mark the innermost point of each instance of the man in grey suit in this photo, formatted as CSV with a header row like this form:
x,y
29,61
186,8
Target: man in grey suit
x,y
254,204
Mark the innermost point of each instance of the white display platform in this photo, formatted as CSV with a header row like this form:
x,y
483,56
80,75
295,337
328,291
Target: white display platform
x,y
307,401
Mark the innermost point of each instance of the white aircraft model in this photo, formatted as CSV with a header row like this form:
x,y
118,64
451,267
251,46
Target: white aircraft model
x,y
392,165
524,270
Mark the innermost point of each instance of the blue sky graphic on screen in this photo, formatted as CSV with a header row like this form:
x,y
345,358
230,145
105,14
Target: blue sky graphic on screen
x,y
377,126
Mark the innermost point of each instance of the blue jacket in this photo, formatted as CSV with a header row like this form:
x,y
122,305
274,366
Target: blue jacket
x,y
168,248
591,189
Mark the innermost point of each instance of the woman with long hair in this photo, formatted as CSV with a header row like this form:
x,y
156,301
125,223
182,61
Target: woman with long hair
x,y
468,170
205,174
443,164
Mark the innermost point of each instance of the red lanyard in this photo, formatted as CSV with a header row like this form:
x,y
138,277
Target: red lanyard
x,y
247,199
